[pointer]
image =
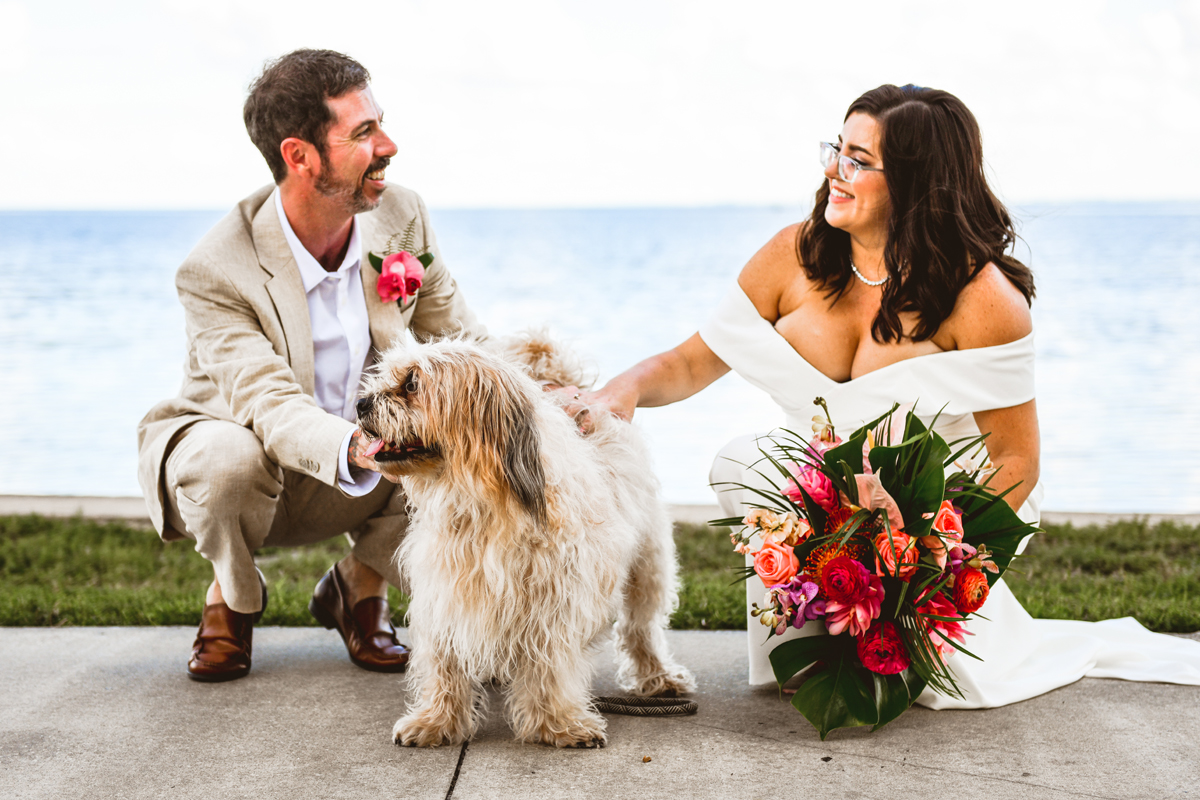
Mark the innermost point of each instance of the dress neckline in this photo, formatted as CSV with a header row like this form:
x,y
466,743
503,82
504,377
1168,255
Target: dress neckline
x,y
796,353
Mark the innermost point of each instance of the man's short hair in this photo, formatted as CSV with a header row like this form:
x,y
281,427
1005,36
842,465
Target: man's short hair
x,y
288,100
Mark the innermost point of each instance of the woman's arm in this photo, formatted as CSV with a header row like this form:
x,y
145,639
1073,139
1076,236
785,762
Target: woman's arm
x,y
1014,447
991,311
659,380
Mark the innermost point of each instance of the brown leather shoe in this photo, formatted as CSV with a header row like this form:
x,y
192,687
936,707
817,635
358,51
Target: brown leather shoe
x,y
221,651
367,629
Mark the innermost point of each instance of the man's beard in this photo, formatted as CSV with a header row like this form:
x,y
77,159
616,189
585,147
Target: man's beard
x,y
349,195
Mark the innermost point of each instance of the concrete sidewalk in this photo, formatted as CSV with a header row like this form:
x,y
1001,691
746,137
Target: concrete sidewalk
x,y
108,713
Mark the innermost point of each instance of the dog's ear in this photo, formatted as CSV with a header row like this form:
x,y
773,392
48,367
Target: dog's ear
x,y
523,459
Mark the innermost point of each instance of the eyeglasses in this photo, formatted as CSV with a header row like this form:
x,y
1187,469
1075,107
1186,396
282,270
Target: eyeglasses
x,y
847,167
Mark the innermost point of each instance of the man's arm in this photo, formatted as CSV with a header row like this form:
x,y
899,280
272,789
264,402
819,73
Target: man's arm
x,y
256,383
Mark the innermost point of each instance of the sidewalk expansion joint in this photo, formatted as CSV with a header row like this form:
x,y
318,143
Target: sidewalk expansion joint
x,y
457,769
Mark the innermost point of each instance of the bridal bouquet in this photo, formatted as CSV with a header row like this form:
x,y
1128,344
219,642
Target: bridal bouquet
x,y
870,537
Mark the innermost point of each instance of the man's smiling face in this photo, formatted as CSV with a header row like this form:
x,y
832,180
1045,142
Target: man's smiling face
x,y
357,152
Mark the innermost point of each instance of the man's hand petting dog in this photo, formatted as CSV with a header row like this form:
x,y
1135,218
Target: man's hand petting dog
x,y
357,456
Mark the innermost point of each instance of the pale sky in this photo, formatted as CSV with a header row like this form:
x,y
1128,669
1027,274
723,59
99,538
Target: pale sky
x,y
536,103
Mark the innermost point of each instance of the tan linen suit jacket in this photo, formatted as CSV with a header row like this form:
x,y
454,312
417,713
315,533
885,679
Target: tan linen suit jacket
x,y
249,339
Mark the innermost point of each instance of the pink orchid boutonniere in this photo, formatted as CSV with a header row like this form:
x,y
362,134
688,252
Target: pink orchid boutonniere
x,y
400,276
400,272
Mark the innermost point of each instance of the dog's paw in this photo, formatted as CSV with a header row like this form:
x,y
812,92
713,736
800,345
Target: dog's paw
x,y
674,682
579,736
585,733
415,730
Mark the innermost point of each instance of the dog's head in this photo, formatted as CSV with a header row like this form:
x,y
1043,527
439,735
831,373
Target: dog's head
x,y
452,411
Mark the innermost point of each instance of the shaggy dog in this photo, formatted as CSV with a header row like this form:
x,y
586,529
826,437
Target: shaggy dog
x,y
527,539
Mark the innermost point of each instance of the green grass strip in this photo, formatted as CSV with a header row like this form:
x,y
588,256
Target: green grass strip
x,y
80,572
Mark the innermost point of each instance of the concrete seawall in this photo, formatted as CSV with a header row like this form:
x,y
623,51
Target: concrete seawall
x,y
132,510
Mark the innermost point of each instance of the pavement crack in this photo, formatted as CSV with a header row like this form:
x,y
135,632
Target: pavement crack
x,y
457,769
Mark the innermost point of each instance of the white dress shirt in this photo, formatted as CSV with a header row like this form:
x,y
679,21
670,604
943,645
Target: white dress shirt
x,y
341,336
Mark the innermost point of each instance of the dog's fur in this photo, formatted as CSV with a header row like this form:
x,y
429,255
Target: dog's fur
x,y
526,540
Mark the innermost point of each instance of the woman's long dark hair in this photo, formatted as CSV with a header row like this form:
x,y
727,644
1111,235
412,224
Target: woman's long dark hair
x,y
945,222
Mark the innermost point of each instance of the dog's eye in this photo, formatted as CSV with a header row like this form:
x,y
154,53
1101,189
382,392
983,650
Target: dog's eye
x,y
410,385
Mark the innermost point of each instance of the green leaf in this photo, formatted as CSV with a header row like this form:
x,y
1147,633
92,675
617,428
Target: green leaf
x,y
837,696
912,472
893,697
796,654
425,258
987,519
376,262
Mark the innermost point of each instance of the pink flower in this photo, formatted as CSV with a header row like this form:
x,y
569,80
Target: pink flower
x,y
390,287
400,277
872,496
776,564
855,617
813,481
798,598
881,650
900,549
936,604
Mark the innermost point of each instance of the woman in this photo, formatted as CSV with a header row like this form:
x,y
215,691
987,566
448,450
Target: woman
x,y
898,288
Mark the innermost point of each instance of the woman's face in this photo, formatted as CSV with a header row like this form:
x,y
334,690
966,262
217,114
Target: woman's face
x,y
860,208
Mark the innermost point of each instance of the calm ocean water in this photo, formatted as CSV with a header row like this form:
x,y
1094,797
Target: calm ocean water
x,y
91,333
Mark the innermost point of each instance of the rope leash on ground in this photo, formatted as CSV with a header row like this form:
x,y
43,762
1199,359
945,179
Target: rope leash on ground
x,y
645,706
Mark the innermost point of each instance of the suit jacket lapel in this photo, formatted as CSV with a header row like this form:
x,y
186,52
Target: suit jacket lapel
x,y
384,319
287,293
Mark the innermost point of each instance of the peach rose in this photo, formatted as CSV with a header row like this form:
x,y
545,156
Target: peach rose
x,y
776,564
900,548
948,523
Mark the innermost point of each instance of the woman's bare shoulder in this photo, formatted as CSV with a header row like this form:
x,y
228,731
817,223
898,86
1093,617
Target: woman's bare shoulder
x,y
771,271
990,311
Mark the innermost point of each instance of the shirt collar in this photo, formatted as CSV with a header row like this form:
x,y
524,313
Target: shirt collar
x,y
311,272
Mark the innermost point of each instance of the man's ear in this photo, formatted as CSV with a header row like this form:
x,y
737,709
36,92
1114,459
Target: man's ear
x,y
301,157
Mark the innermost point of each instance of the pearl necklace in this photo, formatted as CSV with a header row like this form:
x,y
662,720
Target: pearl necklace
x,y
860,276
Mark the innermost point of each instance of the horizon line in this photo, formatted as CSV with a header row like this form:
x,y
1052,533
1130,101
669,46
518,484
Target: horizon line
x,y
631,207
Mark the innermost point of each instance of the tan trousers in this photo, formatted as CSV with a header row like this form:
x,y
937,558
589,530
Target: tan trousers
x,y
223,492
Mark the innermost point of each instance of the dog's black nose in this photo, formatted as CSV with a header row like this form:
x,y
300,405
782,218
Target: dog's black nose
x,y
363,406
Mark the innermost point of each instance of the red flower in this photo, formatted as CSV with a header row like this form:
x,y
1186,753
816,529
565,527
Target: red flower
x,y
881,649
845,580
970,590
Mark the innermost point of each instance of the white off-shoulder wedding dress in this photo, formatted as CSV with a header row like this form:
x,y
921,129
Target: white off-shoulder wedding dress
x,y
1022,657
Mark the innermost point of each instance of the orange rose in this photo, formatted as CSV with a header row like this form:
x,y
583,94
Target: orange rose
x,y
948,520
970,590
900,548
776,564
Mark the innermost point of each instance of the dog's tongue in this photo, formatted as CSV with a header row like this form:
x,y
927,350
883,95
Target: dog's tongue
x,y
375,446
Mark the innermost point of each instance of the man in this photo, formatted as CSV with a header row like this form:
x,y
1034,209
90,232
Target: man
x,y
283,314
